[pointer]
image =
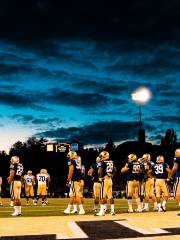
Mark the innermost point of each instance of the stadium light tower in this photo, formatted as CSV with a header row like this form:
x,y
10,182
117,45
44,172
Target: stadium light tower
x,y
141,96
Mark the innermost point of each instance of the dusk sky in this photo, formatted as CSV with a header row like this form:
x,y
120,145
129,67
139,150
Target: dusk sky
x,y
67,69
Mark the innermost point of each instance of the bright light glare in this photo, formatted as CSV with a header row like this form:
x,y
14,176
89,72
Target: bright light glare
x,y
141,95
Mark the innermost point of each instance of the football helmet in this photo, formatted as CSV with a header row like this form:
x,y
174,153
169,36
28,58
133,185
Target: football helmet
x,y
160,159
146,157
132,157
104,155
98,159
29,172
14,159
72,155
177,152
43,171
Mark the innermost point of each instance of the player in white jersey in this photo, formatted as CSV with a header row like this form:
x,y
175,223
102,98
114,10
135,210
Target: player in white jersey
x,y
43,180
29,181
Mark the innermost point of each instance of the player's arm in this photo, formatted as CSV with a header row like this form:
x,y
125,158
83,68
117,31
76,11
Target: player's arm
x,y
168,170
70,174
0,181
174,169
125,169
49,179
100,172
90,172
11,175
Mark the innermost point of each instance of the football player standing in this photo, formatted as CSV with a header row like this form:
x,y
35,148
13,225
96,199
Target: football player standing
x,y
29,180
43,180
106,171
149,183
134,170
81,170
14,179
161,171
74,183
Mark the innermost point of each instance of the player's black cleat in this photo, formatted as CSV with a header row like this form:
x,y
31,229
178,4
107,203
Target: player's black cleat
x,y
163,209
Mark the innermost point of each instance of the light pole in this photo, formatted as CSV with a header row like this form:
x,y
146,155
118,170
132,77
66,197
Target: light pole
x,y
141,96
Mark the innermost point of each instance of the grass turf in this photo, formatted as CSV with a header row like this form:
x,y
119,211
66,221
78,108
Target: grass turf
x,y
56,207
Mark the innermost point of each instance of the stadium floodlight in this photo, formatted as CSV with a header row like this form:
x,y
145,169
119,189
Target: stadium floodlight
x,y
141,96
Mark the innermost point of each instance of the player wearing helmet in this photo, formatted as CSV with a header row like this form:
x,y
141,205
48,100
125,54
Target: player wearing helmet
x,y
74,183
29,181
43,180
149,182
93,173
176,173
81,170
133,170
161,171
106,171
14,179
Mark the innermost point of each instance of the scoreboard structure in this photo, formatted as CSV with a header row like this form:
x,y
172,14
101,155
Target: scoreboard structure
x,y
62,147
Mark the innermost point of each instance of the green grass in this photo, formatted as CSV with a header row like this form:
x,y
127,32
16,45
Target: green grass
x,y
57,205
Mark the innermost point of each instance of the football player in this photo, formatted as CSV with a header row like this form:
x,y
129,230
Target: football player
x,y
134,170
1,204
29,181
161,171
176,173
93,173
43,180
149,182
106,171
15,177
74,183
81,169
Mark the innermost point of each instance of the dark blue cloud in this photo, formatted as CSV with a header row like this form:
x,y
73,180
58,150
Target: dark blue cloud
x,y
96,133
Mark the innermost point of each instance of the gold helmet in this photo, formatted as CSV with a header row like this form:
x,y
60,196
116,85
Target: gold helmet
x,y
146,157
43,171
72,155
98,159
177,152
160,159
14,159
104,155
132,157
29,172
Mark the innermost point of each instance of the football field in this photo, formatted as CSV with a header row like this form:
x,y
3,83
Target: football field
x,y
49,222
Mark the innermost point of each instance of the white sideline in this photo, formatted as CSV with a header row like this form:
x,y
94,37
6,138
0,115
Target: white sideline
x,y
77,232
